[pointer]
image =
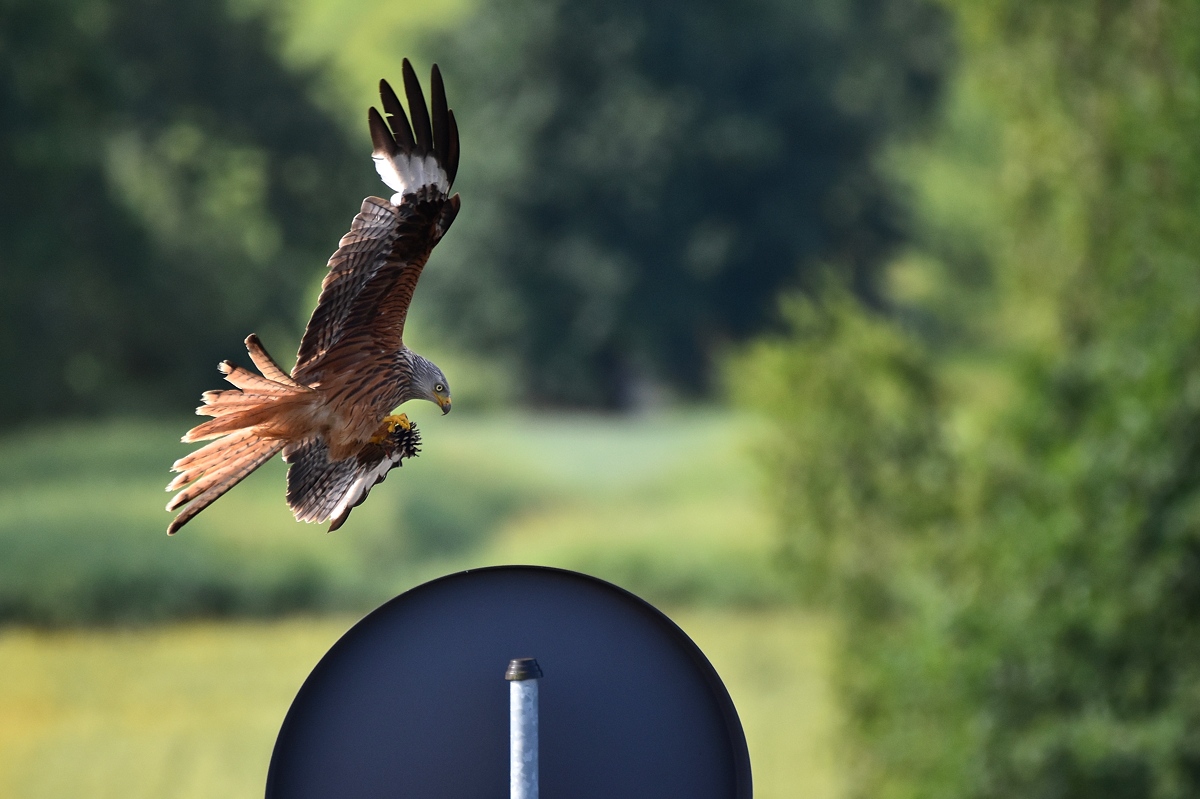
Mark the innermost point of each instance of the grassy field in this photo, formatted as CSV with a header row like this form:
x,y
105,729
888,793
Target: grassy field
x,y
666,506
192,710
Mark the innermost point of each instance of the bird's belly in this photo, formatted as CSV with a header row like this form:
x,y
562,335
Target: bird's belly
x,y
348,419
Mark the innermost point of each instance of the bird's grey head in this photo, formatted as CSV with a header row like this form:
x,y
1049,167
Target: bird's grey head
x,y
430,383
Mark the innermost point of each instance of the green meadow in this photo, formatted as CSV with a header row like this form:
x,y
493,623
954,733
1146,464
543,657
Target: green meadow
x,y
665,505
191,710
164,701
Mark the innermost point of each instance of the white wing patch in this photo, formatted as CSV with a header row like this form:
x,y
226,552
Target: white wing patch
x,y
417,156
407,174
362,484
323,490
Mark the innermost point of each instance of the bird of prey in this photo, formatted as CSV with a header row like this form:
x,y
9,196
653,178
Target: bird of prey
x,y
332,416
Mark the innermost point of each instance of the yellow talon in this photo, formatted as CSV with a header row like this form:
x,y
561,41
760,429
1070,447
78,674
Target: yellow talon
x,y
390,423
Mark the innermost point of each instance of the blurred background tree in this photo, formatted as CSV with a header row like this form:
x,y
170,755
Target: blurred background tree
x,y
1010,533
649,176
168,187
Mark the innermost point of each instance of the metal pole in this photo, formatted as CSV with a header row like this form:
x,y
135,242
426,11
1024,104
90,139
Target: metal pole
x,y
523,675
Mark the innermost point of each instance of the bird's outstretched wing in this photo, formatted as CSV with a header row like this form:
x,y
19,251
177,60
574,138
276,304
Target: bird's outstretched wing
x,y
365,297
319,489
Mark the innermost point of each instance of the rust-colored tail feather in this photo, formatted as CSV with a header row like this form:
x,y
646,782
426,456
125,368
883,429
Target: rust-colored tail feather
x,y
211,456
266,364
219,479
243,417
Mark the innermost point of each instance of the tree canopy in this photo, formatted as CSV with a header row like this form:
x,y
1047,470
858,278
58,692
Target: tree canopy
x,y
168,185
642,179
995,487
640,182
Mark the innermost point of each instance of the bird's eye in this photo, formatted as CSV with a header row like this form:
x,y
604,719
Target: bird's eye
x,y
439,388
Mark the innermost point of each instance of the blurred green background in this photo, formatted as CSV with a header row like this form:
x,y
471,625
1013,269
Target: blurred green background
x,y
862,336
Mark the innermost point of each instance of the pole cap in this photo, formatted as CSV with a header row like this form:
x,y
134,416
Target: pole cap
x,y
523,669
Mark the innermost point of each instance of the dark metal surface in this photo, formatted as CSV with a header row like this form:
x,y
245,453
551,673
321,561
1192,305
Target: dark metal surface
x,y
410,703
523,669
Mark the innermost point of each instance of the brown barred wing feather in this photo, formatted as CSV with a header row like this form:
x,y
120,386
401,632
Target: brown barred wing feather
x,y
360,255
320,489
365,297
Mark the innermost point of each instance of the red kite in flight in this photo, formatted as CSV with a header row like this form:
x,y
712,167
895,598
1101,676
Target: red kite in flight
x,y
331,417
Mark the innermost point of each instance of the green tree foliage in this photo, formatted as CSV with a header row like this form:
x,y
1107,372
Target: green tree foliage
x,y
865,485
1019,481
643,178
167,186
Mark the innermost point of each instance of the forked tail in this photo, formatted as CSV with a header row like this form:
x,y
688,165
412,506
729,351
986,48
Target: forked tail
x,y
242,417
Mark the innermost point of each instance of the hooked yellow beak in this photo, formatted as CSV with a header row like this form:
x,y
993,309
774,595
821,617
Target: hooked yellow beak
x,y
444,404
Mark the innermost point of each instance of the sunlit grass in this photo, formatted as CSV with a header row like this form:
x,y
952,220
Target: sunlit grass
x,y
777,667
179,712
666,505
192,710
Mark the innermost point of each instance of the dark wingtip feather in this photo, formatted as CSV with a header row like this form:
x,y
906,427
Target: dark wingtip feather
x,y
422,128
452,150
381,137
445,217
441,114
396,116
